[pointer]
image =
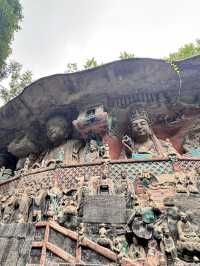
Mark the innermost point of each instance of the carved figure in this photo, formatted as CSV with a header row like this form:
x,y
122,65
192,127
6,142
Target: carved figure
x,y
148,180
81,233
167,245
65,150
154,256
144,143
105,183
191,182
125,188
24,202
180,182
141,221
103,239
8,207
55,195
188,237
160,224
39,201
71,208
136,251
186,182
105,151
91,151
120,246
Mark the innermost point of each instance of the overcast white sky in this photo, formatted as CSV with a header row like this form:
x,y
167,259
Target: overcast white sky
x,y
56,32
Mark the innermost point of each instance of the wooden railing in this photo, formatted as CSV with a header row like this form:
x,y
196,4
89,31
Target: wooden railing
x,y
85,242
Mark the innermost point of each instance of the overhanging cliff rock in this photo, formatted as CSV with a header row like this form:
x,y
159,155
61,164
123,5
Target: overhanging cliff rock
x,y
117,84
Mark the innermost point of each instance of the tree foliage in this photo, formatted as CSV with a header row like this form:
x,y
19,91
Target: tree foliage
x,y
90,63
72,67
186,51
125,55
18,81
10,17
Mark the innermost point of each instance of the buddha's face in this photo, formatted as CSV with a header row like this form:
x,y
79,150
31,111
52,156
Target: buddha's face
x,y
57,129
140,128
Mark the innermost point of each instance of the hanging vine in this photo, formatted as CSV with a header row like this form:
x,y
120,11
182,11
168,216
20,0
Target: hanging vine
x,y
177,70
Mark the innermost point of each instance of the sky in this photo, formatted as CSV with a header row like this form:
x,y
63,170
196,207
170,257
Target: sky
x,y
57,32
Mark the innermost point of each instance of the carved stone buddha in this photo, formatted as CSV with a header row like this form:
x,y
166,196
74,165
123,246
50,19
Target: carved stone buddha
x,y
188,234
64,150
143,144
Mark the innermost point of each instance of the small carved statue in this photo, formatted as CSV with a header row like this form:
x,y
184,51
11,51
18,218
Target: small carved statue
x,y
125,187
148,180
71,208
188,237
120,246
55,195
27,164
167,245
103,239
8,207
24,202
136,251
154,256
81,233
39,201
91,151
105,152
180,182
160,224
186,182
105,183
191,182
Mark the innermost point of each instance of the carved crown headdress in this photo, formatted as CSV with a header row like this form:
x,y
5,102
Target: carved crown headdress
x,y
139,115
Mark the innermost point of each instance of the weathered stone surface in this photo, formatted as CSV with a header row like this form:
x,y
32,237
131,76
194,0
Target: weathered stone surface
x,y
15,244
104,209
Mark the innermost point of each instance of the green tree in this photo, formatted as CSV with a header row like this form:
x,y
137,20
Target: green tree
x,y
18,80
10,17
185,51
72,67
125,55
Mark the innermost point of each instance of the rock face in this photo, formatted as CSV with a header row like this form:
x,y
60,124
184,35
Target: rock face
x,y
15,244
104,164
121,83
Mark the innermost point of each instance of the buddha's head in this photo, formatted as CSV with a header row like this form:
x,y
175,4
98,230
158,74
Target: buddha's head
x,y
140,126
58,129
